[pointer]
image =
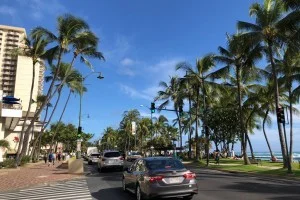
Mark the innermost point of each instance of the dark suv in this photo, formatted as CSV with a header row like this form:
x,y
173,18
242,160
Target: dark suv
x,y
156,177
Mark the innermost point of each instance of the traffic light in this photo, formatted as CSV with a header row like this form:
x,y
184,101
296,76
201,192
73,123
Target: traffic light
x,y
79,132
152,108
280,115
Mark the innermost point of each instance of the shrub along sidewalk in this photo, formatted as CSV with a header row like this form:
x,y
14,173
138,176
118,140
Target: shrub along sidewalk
x,y
267,168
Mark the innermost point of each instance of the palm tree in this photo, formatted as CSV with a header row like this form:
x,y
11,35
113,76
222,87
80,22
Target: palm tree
x,y
125,125
143,131
198,79
289,67
274,27
241,55
34,48
72,32
172,92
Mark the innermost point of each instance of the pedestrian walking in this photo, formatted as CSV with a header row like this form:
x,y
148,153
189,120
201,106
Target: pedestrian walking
x,y
53,158
49,159
45,158
59,157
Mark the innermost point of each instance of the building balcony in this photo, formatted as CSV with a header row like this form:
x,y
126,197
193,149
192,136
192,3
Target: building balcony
x,y
11,115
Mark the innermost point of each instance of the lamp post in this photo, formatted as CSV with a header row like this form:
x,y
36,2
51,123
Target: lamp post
x,y
78,154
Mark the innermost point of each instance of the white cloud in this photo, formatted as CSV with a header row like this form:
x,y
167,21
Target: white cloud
x,y
133,93
39,8
7,10
127,62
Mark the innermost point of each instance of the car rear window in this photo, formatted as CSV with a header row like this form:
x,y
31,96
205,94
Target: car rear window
x,y
164,164
112,154
95,154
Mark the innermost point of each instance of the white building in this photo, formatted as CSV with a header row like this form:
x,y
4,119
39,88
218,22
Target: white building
x,y
15,81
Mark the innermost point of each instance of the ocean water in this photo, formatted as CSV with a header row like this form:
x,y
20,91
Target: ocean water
x,y
278,155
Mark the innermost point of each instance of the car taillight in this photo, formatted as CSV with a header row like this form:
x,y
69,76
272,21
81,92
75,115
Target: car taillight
x,y
121,158
103,159
189,175
153,179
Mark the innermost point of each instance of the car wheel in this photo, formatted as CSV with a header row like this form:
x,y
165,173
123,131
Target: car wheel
x,y
188,197
138,193
124,184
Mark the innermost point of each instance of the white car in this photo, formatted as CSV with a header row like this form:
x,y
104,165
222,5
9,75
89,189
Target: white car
x,y
93,158
111,159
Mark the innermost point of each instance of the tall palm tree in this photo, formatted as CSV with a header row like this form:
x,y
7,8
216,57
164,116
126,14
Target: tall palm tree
x,y
289,68
274,26
143,131
172,92
239,57
34,48
72,32
198,77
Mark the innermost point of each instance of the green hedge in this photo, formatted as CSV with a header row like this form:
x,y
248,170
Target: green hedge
x,y
8,163
24,160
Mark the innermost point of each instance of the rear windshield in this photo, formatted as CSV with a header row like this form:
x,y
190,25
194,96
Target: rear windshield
x,y
95,154
164,164
112,154
136,154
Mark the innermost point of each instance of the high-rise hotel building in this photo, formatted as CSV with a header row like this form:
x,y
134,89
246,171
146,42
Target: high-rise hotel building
x,y
15,81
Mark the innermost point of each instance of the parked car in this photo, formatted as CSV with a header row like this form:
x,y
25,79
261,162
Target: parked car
x,y
133,156
111,159
159,177
93,158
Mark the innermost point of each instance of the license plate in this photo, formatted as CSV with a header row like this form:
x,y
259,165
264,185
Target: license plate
x,y
111,161
175,180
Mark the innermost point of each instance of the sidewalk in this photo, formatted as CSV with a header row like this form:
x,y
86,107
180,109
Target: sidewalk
x,y
32,175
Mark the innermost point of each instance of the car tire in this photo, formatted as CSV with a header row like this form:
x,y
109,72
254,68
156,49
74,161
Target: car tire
x,y
124,185
188,197
138,193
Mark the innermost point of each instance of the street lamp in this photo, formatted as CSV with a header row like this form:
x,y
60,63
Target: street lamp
x,y
80,108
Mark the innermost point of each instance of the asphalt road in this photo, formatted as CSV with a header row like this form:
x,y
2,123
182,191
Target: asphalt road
x,y
213,185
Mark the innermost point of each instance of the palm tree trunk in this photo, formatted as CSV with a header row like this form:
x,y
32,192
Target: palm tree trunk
x,y
190,128
243,131
180,130
291,126
280,132
22,149
250,145
62,114
265,134
197,134
40,135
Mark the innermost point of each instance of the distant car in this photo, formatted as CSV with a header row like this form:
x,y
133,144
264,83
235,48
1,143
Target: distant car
x,y
159,177
93,158
133,156
111,159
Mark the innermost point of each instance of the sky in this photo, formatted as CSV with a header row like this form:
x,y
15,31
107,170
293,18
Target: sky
x,y
142,41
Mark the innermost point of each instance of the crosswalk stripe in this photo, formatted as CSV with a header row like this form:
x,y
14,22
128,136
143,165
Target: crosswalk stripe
x,y
68,190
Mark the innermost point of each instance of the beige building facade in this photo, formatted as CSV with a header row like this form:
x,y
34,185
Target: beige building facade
x,y
15,82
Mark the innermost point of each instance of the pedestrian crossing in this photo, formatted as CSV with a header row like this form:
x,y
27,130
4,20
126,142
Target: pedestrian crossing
x,y
75,189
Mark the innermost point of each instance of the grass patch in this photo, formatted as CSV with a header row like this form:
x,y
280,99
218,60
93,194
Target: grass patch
x,y
267,168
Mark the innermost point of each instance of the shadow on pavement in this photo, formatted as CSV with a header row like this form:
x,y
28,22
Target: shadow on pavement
x,y
269,188
286,197
112,194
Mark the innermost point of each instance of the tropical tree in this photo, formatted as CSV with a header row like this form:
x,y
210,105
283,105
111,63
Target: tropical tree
x,y
239,58
34,48
172,93
72,32
274,27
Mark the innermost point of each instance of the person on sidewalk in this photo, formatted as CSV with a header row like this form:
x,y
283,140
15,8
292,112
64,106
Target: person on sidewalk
x,y
59,157
53,158
45,158
50,159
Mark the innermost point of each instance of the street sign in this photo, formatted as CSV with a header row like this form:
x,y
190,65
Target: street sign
x,y
133,128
